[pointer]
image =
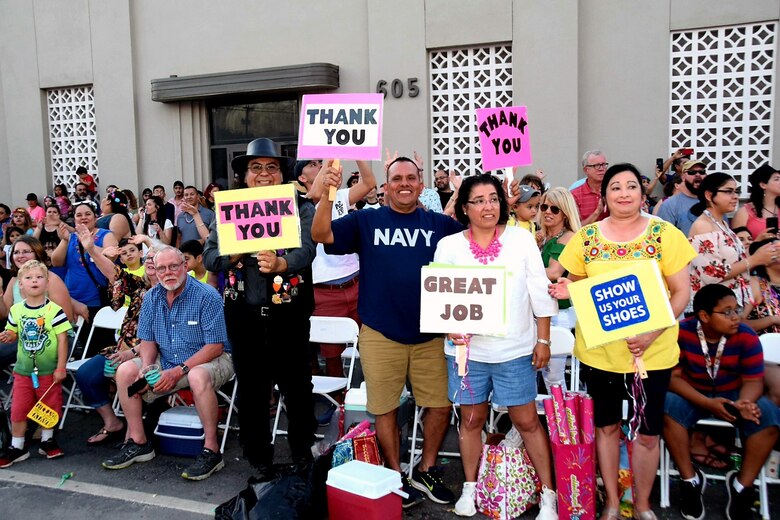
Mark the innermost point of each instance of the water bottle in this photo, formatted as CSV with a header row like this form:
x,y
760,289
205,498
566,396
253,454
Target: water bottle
x,y
736,460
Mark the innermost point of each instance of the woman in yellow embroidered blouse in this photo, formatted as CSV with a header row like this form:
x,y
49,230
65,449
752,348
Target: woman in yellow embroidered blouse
x,y
627,237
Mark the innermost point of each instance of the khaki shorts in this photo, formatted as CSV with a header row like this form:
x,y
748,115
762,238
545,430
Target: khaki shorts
x,y
386,365
220,370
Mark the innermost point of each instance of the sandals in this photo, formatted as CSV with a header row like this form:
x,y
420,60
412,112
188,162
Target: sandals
x,y
645,515
611,514
715,456
107,436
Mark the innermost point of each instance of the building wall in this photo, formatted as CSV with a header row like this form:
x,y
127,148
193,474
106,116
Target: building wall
x,y
592,76
624,81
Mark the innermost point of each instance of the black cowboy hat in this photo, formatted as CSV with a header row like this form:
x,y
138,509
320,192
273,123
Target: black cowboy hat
x,y
261,147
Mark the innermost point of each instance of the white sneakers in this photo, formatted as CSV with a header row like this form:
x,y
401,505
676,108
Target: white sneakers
x,y
465,506
548,505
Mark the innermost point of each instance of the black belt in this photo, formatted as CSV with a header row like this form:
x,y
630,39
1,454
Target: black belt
x,y
264,310
348,283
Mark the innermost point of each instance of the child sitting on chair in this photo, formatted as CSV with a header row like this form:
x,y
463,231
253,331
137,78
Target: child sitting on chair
x,y
720,374
40,327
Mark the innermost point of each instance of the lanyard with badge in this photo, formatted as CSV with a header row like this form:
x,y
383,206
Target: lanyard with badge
x,y
712,367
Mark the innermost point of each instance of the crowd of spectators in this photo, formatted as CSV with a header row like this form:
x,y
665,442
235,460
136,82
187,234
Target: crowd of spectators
x,y
360,257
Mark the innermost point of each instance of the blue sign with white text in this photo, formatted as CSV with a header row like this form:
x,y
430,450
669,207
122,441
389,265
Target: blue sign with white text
x,y
620,303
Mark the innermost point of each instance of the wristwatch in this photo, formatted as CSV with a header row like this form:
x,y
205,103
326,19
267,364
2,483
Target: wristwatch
x,y
544,341
184,368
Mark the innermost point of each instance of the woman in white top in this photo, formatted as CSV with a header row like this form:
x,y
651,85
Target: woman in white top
x,y
153,221
504,365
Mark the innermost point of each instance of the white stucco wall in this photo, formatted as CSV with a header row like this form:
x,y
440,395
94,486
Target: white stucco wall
x,y
592,75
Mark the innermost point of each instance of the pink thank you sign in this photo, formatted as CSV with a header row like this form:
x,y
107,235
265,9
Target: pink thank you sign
x,y
503,137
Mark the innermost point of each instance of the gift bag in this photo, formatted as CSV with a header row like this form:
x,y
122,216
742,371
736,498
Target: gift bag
x,y
363,448
575,480
625,478
507,483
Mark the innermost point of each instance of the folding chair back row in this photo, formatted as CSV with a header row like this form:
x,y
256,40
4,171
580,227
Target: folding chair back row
x,y
106,318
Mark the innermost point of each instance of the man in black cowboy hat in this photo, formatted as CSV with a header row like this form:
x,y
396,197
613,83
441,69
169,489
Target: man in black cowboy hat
x,y
269,299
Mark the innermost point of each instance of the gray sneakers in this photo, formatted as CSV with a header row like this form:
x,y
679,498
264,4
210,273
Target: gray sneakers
x,y
129,454
207,463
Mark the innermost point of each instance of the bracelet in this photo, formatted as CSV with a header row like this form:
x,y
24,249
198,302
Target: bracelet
x,y
747,263
544,341
60,370
203,225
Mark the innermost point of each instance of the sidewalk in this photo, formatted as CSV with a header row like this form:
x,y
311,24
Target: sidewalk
x,y
30,489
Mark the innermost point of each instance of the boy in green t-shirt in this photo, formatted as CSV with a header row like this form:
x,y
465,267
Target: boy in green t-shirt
x,y
41,327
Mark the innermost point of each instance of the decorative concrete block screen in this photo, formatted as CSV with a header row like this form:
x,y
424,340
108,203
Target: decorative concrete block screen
x,y
72,133
722,82
462,80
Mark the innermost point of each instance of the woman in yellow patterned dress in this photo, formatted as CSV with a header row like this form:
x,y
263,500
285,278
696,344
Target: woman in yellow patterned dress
x,y
625,238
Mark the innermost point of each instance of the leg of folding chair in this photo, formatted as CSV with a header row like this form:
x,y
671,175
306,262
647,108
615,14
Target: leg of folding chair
x,y
279,406
67,405
413,446
763,493
664,474
231,405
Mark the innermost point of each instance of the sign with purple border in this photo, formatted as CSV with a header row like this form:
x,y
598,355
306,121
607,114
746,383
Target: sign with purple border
x,y
503,137
341,126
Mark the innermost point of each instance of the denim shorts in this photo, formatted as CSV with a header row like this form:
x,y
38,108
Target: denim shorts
x,y
513,382
687,414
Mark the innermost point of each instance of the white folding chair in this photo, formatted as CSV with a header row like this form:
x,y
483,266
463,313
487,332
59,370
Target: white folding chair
x,y
326,329
562,345
770,344
106,318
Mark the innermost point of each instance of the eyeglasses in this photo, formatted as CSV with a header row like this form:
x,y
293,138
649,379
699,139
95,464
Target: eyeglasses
x,y
481,203
730,313
554,209
696,172
731,192
162,269
20,252
599,166
270,169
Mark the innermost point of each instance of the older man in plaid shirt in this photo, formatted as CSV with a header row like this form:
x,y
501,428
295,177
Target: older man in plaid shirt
x,y
181,328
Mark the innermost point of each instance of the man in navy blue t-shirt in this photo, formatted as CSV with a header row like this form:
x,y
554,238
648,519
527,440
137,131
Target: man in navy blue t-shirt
x,y
393,243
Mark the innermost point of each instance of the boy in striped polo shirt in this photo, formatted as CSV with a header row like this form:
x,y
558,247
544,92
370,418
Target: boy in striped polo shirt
x,y
721,375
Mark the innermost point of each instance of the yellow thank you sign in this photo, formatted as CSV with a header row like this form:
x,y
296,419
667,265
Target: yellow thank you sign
x,y
257,219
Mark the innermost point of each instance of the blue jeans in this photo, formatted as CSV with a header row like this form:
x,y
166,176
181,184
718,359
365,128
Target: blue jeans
x,y
92,382
686,414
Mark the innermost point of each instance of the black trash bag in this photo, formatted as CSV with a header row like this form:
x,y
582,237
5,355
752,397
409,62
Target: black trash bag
x,y
288,492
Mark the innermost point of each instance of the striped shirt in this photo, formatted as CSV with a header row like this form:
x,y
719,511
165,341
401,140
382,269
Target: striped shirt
x,y
195,319
743,358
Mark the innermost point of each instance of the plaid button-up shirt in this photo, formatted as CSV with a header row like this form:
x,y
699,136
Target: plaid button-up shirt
x,y
195,319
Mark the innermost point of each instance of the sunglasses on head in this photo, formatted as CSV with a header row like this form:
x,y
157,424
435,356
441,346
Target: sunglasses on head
x,y
555,209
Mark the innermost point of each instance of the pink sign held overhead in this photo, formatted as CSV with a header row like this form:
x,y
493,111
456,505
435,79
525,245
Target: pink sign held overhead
x,y
342,126
504,137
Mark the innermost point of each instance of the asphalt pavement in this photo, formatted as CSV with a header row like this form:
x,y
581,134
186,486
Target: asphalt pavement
x,y
34,489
